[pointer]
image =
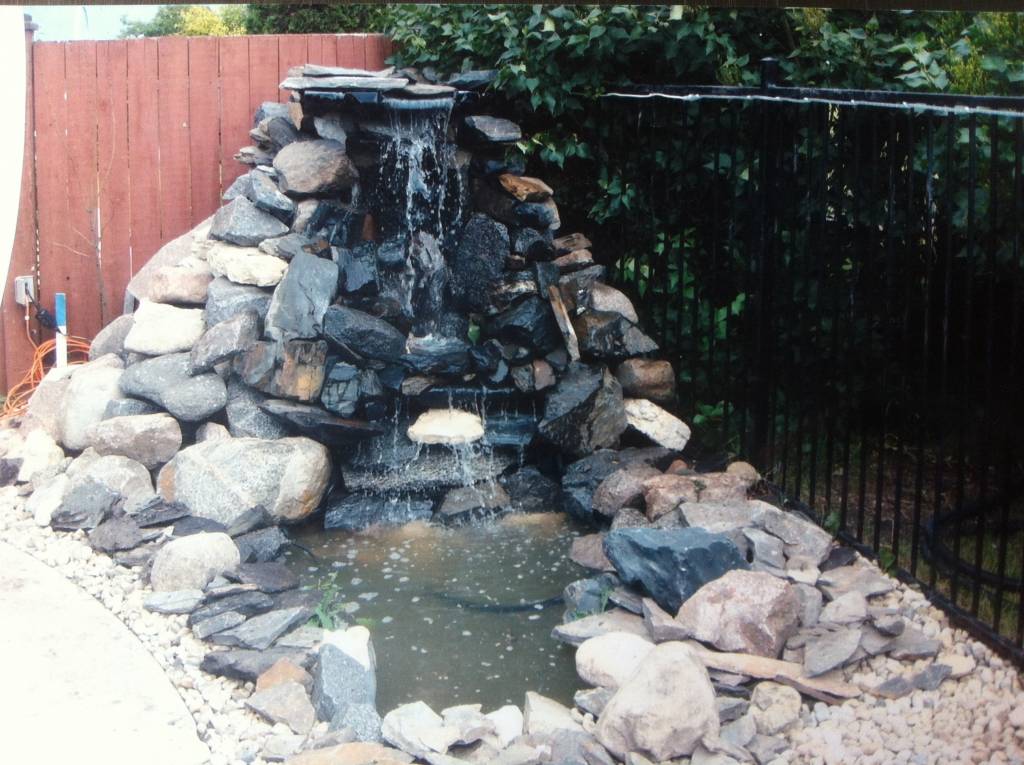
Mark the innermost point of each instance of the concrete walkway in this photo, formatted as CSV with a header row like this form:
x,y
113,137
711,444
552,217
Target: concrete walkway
x,y
77,685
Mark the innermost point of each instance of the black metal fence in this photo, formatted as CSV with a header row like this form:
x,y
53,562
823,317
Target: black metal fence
x,y
839,277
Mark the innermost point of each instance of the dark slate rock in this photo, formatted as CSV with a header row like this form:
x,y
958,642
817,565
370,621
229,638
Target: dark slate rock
x,y
340,393
224,341
464,504
611,336
339,679
838,556
246,418
895,687
268,110
158,512
358,269
128,407
280,130
473,79
593,700
430,281
577,747
446,356
585,411
301,298
225,299
86,505
532,244
9,469
265,195
165,380
319,423
581,479
484,129
193,524
254,518
531,491
931,677
574,286
362,335
362,719
540,215
288,246
479,260
513,429
240,187
585,597
297,598
247,665
244,603
118,533
259,632
240,222
206,628
261,546
391,253
268,577
671,565
359,511
528,323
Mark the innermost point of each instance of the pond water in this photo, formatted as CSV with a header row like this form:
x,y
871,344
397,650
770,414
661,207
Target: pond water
x,y
458,615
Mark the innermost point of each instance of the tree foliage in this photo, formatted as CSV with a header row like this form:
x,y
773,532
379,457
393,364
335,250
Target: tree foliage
x,y
301,18
189,21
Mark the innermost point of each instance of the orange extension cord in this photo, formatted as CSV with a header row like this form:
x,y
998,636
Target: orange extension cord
x,y
18,396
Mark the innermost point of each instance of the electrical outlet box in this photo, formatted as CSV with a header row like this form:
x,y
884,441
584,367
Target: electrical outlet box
x,y
24,290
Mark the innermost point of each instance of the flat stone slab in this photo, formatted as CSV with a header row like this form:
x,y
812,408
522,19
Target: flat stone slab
x,y
76,664
446,426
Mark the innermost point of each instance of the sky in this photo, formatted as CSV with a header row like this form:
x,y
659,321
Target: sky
x,y
76,22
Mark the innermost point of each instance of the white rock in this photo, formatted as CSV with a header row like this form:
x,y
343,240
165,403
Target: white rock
x,y
446,426
45,408
657,424
92,387
160,329
608,661
508,725
774,707
38,452
355,643
417,729
542,716
190,563
121,474
246,265
603,297
46,499
846,609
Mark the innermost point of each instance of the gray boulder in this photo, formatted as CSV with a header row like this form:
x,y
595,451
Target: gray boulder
x,y
302,297
165,380
225,299
92,387
321,167
151,439
585,411
263,193
110,339
354,512
363,335
241,222
122,475
340,679
224,341
246,418
190,563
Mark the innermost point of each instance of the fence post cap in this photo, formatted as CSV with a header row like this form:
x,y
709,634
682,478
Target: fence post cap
x,y
30,26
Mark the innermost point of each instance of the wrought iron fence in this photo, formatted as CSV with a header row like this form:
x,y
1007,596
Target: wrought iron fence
x,y
839,277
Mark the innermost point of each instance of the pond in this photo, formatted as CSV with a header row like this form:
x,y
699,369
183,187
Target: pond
x,y
458,615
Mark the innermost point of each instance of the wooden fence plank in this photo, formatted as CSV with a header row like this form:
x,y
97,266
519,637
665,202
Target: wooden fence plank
x,y
235,110
204,127
375,54
51,161
143,152
348,55
17,349
263,71
113,176
314,49
174,137
291,51
328,50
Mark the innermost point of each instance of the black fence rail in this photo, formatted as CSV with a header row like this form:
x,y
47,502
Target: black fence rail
x,y
839,277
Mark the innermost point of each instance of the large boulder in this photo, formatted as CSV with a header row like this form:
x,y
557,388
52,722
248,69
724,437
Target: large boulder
x,y
166,381
185,283
301,298
746,611
221,480
307,168
610,660
246,417
664,710
345,672
585,411
190,563
123,476
671,564
363,335
479,260
175,252
241,222
151,439
92,387
46,406
110,339
224,341
225,299
263,193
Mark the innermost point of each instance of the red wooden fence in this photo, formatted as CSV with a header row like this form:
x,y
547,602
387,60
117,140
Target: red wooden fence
x,y
130,143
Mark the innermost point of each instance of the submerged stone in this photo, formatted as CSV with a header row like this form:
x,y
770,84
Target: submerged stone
x,y
356,512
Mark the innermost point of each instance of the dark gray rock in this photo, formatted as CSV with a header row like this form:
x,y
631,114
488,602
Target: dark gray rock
x,y
192,524
158,512
358,269
165,380
913,644
581,479
259,632
261,546
611,336
446,356
671,565
478,262
246,418
539,215
174,602
577,747
593,700
362,719
483,129
430,281
251,519
224,341
529,323
225,299
264,194
128,407
348,389
241,222
244,603
280,130
895,687
464,504
359,511
268,110
118,533
766,748
473,79
339,679
268,577
320,424
362,335
85,506
830,649
301,298
247,664
205,628
530,491
314,168
930,678
288,246
532,244
585,411
585,597
239,188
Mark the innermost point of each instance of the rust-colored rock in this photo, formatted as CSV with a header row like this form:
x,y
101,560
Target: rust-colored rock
x,y
647,378
624,487
665,493
283,671
588,551
524,188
